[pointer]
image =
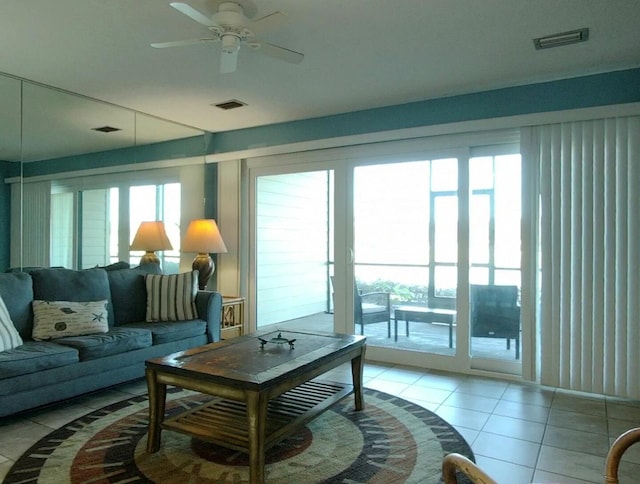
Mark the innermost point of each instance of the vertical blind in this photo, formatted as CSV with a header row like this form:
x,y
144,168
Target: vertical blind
x,y
31,215
589,318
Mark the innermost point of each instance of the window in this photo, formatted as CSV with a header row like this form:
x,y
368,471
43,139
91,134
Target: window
x,y
62,223
406,235
494,219
412,228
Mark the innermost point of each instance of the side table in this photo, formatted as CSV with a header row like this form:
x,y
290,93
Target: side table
x,y
232,320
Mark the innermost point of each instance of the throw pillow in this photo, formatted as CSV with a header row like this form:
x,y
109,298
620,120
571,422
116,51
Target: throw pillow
x,y
9,336
55,319
171,297
72,285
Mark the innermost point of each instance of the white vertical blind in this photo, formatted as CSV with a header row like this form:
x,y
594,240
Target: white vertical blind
x,y
36,224
590,255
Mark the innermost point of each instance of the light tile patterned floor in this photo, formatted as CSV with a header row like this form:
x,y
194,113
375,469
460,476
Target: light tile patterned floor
x,y
520,433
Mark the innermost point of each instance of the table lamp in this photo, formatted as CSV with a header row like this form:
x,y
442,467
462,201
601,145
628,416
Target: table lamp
x,y
203,237
150,237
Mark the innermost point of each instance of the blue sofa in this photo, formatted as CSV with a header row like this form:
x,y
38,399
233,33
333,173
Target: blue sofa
x,y
43,372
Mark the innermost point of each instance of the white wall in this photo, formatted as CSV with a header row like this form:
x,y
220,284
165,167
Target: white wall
x,y
291,246
229,272
191,204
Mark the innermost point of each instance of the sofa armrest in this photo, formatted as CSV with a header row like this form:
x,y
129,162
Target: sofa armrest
x,y
209,306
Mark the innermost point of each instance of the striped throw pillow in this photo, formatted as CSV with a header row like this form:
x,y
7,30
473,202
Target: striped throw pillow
x,y
171,297
9,336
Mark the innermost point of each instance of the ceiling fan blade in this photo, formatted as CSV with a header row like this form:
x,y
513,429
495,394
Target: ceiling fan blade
x,y
277,52
192,13
180,43
228,62
272,21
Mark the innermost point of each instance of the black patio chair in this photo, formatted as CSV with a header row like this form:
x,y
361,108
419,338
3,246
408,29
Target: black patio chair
x,y
372,307
495,313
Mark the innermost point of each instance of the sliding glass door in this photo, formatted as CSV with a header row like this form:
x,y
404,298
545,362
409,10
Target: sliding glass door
x,y
411,236
495,256
405,240
394,248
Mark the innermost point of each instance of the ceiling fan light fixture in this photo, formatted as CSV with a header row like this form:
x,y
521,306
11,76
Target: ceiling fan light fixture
x,y
564,38
230,43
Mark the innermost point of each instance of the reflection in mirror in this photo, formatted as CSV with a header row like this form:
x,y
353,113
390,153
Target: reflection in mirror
x,y
57,124
10,95
83,160
10,123
150,130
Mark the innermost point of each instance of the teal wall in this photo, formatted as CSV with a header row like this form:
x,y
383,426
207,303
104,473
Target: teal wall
x,y
581,92
617,87
8,169
168,150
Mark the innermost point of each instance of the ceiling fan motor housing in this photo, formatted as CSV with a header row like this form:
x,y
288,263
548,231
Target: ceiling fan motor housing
x,y
249,8
230,15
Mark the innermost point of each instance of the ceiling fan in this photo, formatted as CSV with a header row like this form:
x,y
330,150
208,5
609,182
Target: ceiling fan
x,y
231,26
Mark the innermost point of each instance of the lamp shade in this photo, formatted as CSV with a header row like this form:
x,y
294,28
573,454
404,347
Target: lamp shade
x,y
150,237
203,237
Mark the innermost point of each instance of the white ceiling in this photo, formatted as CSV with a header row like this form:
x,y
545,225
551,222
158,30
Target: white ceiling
x,y
359,54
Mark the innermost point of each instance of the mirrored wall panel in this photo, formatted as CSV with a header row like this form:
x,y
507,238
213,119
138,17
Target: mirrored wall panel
x,y
45,133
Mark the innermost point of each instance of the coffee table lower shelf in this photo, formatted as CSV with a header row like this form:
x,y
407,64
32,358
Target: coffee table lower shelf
x,y
224,422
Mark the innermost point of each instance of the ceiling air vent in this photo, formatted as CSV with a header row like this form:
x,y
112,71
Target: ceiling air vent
x,y
106,129
231,104
565,38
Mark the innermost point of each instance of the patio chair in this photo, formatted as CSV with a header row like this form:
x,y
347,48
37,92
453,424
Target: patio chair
x,y
495,313
372,307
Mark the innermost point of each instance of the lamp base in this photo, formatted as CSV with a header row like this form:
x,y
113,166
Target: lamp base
x,y
149,257
203,263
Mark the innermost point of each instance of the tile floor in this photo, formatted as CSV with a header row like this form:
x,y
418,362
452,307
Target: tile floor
x,y
520,433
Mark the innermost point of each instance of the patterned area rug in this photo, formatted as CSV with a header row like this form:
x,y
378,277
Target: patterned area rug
x,y
391,441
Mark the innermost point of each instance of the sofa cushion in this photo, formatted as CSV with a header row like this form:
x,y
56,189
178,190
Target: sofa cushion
x,y
56,319
128,295
71,285
35,356
173,331
117,340
17,292
116,266
171,297
9,336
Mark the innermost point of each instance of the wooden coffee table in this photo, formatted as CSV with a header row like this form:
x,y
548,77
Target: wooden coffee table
x,y
265,390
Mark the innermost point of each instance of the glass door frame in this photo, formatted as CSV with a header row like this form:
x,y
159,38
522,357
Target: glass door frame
x,y
343,161
460,361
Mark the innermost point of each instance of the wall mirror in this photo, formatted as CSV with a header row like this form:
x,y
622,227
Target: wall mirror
x,y
10,119
45,131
